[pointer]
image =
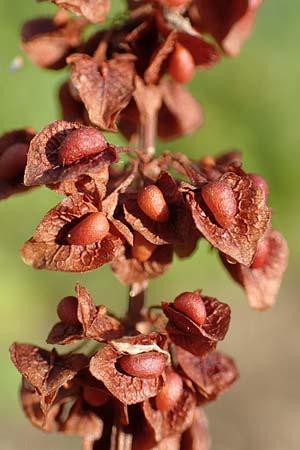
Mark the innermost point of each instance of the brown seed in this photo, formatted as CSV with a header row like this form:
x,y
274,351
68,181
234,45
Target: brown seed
x,y
261,254
259,181
13,161
181,65
192,305
151,201
95,397
142,249
220,199
67,310
143,365
93,228
170,393
80,143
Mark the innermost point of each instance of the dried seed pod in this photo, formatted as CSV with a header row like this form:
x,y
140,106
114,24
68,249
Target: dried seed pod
x,y
85,141
93,228
143,365
152,202
220,199
67,310
181,65
94,396
259,181
13,161
142,249
192,305
170,393
261,254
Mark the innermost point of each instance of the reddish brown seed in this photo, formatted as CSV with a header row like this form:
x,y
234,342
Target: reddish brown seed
x,y
151,201
170,393
13,161
142,249
191,304
93,228
259,181
181,65
80,143
261,255
220,199
143,365
95,397
67,310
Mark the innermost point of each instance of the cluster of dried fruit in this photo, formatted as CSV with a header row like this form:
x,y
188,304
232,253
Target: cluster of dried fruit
x,y
141,390
128,207
136,215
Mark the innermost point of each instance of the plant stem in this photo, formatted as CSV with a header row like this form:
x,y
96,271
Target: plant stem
x,y
135,307
148,100
120,439
147,133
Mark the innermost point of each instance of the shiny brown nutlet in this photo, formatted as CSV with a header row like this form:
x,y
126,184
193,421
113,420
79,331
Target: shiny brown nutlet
x,y
261,255
67,310
170,393
152,202
80,143
142,249
181,65
94,397
93,228
192,305
259,181
143,365
13,161
220,199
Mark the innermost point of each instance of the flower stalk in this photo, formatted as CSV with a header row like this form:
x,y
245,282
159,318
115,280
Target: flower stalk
x,y
145,379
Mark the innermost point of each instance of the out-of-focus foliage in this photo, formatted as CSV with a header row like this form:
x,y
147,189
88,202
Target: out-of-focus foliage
x,y
250,103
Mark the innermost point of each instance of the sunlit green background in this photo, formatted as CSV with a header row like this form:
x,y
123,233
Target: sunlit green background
x,y
251,103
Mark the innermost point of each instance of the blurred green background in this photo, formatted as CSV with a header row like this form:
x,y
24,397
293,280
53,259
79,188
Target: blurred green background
x,y
251,103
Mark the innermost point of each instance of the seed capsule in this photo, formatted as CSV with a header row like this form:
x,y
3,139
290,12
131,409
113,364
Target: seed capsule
x,y
94,397
142,249
93,228
170,393
151,201
80,143
13,161
67,310
181,65
259,181
143,365
220,199
192,305
261,255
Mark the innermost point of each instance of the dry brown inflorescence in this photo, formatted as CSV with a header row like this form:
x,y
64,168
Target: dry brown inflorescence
x,y
141,380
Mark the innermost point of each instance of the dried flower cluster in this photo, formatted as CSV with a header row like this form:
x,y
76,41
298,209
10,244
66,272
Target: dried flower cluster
x,y
143,388
143,381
